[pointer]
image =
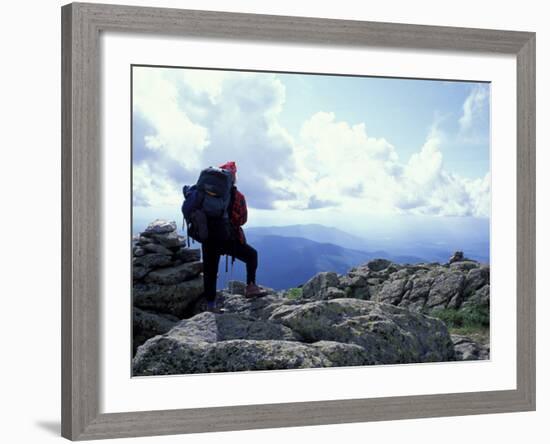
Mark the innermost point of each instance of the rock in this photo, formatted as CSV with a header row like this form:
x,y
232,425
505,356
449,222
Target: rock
x,y
256,308
188,254
446,287
159,226
211,327
475,279
144,240
156,248
166,355
175,275
464,265
355,286
152,261
378,264
480,297
415,298
466,349
280,311
146,325
416,268
457,256
139,272
334,293
317,286
343,355
173,299
389,334
373,314
169,240
392,291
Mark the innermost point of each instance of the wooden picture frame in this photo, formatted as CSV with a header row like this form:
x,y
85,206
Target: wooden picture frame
x,y
81,243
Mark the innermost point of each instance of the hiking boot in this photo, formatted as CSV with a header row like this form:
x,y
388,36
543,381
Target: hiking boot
x,y
252,291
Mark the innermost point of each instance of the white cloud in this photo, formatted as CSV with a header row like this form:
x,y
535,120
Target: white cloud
x,y
337,164
340,164
199,118
473,107
151,188
190,119
177,137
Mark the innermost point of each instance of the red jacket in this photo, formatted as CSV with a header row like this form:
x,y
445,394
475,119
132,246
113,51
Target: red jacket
x,y
239,214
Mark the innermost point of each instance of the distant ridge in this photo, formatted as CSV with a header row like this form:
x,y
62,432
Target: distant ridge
x,y
286,261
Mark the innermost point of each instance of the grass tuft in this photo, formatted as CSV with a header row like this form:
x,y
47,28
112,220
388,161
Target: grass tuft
x,y
294,293
472,317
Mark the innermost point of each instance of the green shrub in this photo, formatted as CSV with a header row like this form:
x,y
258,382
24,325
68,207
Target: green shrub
x,y
294,293
450,316
476,316
470,317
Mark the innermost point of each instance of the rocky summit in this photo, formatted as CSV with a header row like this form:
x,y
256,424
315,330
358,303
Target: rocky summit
x,y
376,313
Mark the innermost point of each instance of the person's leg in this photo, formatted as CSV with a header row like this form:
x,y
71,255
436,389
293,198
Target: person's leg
x,y
249,256
211,260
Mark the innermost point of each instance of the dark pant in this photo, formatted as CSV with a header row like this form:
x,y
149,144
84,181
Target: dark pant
x,y
211,252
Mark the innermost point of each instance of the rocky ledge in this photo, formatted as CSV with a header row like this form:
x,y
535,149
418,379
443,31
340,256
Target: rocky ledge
x,y
274,333
377,313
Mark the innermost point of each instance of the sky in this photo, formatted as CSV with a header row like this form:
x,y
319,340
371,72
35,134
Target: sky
x,y
315,148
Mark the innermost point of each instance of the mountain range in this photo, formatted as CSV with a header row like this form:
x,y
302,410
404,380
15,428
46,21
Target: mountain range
x,y
290,255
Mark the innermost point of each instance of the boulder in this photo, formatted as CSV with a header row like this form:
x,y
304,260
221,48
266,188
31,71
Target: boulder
x,y
188,254
139,272
378,264
334,293
464,265
175,275
416,296
160,226
152,261
480,297
343,355
389,334
174,299
146,325
392,291
446,287
466,349
355,285
169,240
211,327
475,279
255,308
156,248
317,286
456,257
144,240
168,355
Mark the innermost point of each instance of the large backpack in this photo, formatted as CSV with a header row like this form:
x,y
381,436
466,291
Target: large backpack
x,y
206,205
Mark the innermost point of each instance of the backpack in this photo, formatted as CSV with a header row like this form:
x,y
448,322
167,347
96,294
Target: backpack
x,y
206,206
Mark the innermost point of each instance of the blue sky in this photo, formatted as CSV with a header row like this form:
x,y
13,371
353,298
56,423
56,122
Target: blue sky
x,y
314,148
400,110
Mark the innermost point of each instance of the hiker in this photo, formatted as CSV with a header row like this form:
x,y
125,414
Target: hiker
x,y
223,234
